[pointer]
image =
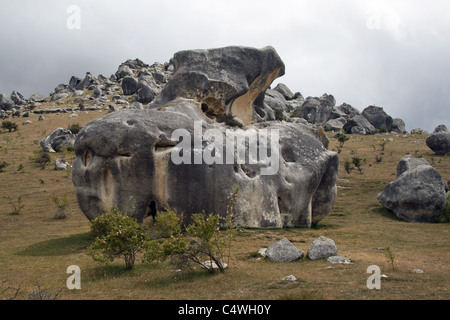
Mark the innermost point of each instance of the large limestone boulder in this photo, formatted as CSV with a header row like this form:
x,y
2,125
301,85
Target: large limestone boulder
x,y
418,192
439,140
224,80
176,155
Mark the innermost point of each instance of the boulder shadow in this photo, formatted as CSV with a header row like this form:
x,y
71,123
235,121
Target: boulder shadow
x,y
58,247
385,213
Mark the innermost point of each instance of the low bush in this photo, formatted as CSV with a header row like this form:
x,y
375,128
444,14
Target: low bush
x,y
9,125
117,235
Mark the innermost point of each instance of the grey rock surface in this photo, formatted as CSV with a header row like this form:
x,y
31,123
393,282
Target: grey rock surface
x,y
418,192
322,247
149,158
439,140
284,251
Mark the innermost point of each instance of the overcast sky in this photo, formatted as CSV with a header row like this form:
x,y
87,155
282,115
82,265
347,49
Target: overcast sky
x,y
393,54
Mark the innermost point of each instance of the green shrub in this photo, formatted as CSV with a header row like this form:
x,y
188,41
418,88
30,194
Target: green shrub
x,y
202,243
74,128
9,125
116,235
342,138
279,115
3,165
41,158
445,216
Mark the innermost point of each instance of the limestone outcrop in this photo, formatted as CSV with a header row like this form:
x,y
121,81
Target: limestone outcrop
x,y
180,154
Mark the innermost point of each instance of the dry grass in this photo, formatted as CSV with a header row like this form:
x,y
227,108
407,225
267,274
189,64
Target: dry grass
x,y
35,247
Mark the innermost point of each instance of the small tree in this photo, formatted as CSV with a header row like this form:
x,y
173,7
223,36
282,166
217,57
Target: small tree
x,y
61,205
3,165
17,206
342,138
117,235
348,166
357,162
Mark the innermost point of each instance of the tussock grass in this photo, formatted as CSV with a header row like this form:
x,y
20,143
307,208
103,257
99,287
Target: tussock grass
x,y
35,247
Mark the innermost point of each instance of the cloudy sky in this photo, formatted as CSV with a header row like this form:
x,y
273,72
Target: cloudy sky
x,y
393,54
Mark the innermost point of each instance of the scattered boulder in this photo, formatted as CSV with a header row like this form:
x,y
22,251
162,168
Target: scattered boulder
x,y
6,103
223,80
296,187
399,126
146,94
285,91
358,125
18,98
338,259
290,278
123,71
439,140
59,96
335,124
284,251
58,139
317,111
347,111
322,247
378,118
418,192
129,85
61,164
88,81
37,97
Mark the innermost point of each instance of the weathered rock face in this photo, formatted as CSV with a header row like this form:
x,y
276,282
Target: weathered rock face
x,y
173,155
284,251
322,247
359,125
224,80
378,118
57,139
418,192
439,141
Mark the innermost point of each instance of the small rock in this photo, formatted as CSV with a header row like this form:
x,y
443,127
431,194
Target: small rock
x,y
338,259
26,122
262,252
290,278
322,247
60,164
212,265
417,271
284,251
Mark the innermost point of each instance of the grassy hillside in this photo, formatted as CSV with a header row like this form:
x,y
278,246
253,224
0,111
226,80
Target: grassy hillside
x,y
37,248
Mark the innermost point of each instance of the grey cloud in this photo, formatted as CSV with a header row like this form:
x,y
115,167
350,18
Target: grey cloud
x,y
391,54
